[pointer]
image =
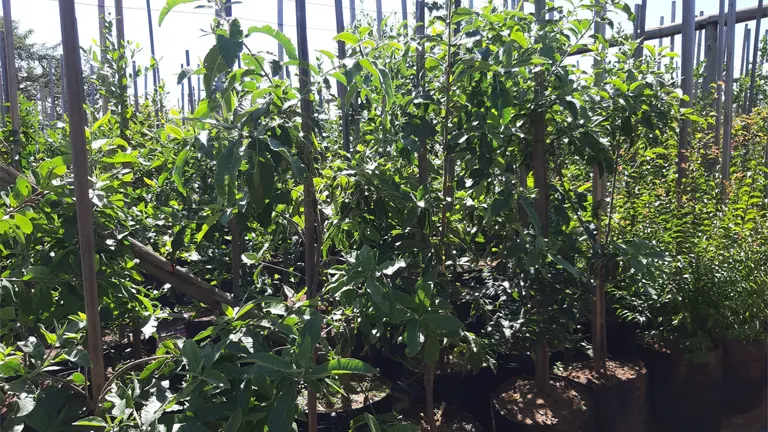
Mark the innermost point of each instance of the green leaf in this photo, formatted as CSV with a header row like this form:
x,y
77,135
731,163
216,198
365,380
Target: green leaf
x,y
23,186
77,378
188,72
23,223
178,170
282,414
190,352
175,131
386,84
90,421
214,66
150,369
566,265
372,423
121,157
169,5
390,267
282,39
227,165
347,37
11,367
342,366
405,427
271,361
216,377
533,216
443,323
377,293
413,337
230,46
233,424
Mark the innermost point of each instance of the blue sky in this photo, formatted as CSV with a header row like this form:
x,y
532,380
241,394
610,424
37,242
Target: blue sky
x,y
182,28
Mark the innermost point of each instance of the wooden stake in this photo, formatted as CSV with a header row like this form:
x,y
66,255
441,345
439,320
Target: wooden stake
x,y
77,121
729,71
599,343
755,51
710,59
688,50
13,84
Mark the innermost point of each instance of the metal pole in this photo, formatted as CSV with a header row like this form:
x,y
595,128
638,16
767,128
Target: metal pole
x,y
190,90
146,84
91,87
156,71
729,71
420,63
13,85
745,57
102,8
755,51
352,12
379,19
280,54
3,80
71,48
122,82
688,49
404,7
199,97
698,43
183,97
710,59
641,27
64,101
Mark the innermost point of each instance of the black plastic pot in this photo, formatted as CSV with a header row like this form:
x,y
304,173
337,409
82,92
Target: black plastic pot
x,y
339,420
620,405
684,395
582,421
745,375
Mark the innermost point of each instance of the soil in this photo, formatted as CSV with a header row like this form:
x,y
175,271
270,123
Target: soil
x,y
564,403
755,421
448,420
615,372
361,392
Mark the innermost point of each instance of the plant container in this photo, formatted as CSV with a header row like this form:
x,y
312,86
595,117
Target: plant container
x,y
336,418
745,375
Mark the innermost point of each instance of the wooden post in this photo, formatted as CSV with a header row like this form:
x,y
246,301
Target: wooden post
x,y
71,49
379,19
721,38
729,71
135,88
340,88
688,49
13,85
744,49
190,89
755,51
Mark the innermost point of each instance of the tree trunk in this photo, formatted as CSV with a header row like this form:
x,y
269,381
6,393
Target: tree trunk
x,y
429,405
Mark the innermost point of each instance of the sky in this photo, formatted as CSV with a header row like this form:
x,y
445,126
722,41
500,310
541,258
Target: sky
x,y
183,27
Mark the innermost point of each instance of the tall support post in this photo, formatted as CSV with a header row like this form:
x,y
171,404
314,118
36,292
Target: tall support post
x,y
746,60
312,224
135,87
699,36
710,59
672,20
52,107
122,82
340,88
91,87
688,50
640,27
3,81
744,49
199,92
41,98
71,48
404,8
353,12
661,41
190,89
280,54
721,38
599,341
64,101
539,167
13,84
146,83
728,117
102,8
156,70
751,97
421,12
379,19
183,99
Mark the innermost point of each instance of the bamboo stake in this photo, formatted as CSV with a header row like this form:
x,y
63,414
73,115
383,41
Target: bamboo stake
x,y
721,37
189,88
103,44
340,88
13,84
312,223
729,71
71,48
756,50
599,342
688,50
